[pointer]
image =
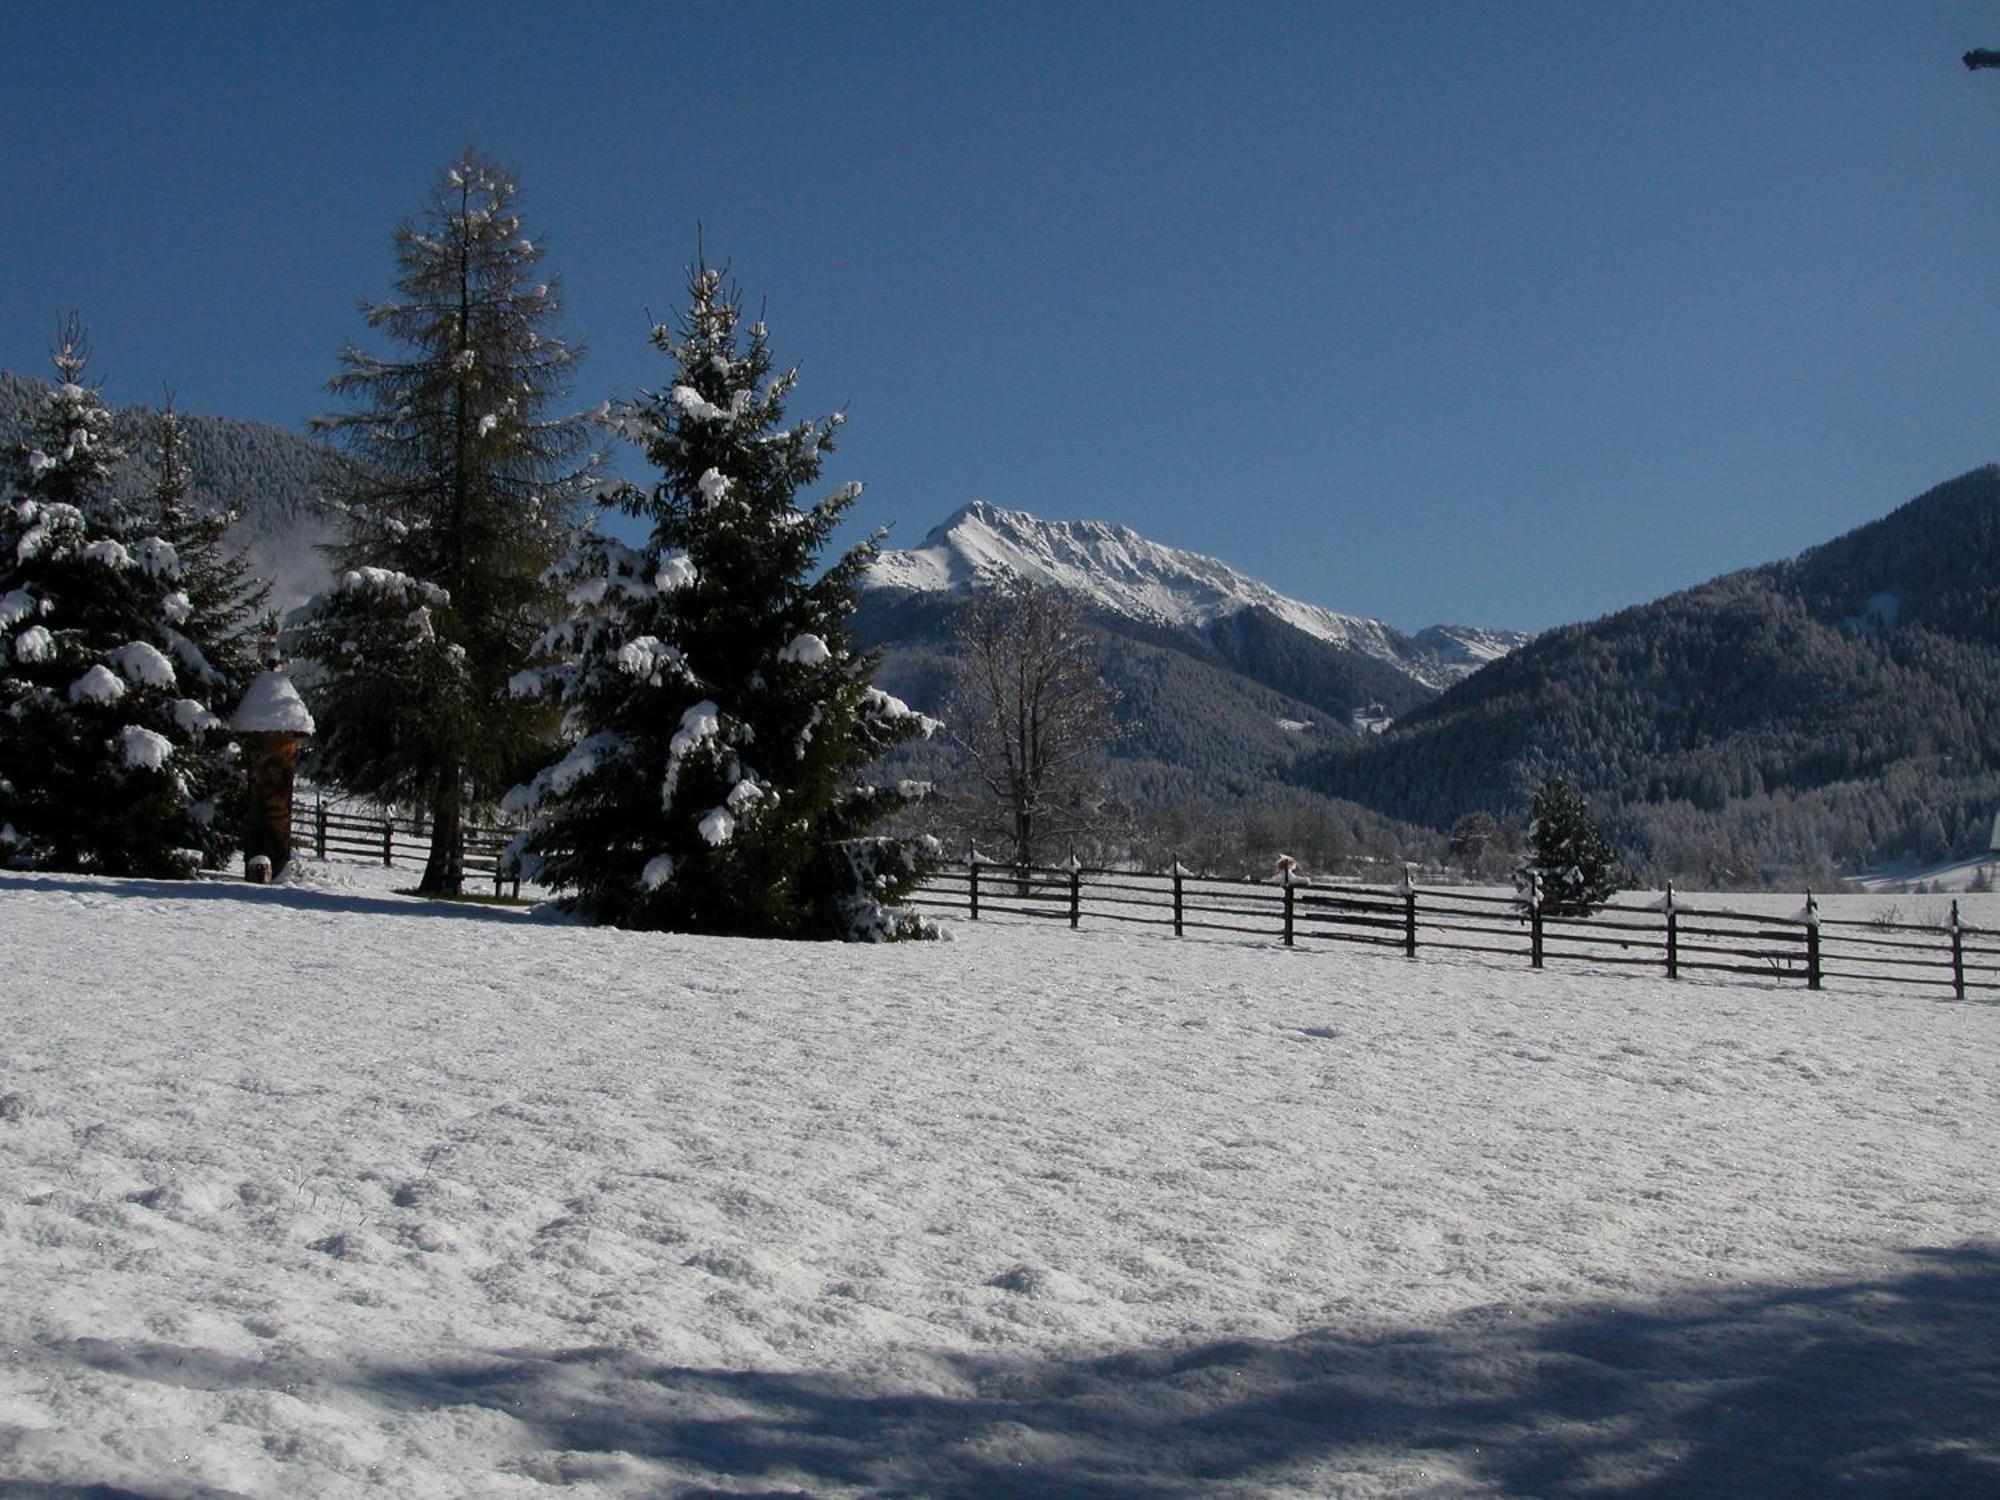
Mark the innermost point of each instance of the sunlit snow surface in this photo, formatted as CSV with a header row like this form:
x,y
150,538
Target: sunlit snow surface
x,y
316,1190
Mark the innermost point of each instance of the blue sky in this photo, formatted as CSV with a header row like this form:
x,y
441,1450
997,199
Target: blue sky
x,y
1501,314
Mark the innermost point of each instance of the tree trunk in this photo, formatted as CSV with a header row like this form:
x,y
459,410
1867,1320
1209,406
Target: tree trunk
x,y
444,870
1024,838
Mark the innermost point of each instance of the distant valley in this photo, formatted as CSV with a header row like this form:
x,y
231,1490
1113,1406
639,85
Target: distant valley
x,y
1227,689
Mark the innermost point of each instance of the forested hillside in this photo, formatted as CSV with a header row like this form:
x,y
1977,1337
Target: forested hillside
x,y
1830,712
272,479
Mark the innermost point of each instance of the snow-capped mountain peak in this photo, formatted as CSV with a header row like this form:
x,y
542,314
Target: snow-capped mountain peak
x,y
1111,566
1115,569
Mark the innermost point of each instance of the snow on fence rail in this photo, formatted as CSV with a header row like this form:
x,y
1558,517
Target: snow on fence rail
x,y
1670,936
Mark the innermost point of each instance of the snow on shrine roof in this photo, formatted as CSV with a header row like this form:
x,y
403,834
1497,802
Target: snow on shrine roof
x,y
271,706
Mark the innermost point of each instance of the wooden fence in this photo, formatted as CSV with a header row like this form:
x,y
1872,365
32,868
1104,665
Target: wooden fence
x,y
353,829
1669,936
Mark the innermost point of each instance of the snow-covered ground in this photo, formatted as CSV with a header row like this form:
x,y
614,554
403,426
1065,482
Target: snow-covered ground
x,y
320,1191
1956,875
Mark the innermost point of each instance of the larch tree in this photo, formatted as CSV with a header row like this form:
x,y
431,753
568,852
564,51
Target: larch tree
x,y
457,493
718,715
113,757
1032,714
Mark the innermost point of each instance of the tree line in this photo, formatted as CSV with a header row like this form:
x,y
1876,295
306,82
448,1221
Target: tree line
x,y
686,721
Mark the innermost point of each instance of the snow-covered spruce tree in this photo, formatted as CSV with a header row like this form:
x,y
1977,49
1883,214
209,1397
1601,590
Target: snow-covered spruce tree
x,y
718,715
219,616
457,497
69,456
228,606
111,756
1577,867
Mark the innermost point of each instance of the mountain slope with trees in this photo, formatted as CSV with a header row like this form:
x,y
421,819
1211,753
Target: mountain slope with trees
x,y
1223,684
1830,712
269,480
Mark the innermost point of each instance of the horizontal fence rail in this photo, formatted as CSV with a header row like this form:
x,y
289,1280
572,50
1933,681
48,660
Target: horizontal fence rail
x,y
356,830
1668,936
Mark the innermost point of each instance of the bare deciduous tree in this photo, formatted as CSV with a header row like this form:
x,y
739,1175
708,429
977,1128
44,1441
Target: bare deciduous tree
x,y
1033,715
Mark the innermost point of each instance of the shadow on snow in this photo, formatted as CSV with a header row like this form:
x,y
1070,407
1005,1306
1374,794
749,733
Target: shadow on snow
x,y
299,898
1885,1387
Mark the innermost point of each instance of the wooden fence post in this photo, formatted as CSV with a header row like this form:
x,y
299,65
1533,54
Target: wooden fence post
x,y
1409,915
1178,873
1812,941
1075,889
1535,920
1957,955
972,865
388,842
1291,904
1673,935
319,827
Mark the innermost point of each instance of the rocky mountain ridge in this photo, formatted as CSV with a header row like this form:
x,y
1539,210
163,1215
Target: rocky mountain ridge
x,y
1120,573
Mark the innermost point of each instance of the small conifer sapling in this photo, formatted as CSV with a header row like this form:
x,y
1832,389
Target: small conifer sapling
x,y
1569,859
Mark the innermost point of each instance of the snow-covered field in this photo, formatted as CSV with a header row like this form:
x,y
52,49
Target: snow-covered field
x,y
320,1191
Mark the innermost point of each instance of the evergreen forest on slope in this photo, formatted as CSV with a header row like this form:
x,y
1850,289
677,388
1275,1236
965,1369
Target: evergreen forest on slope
x,y
1825,714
